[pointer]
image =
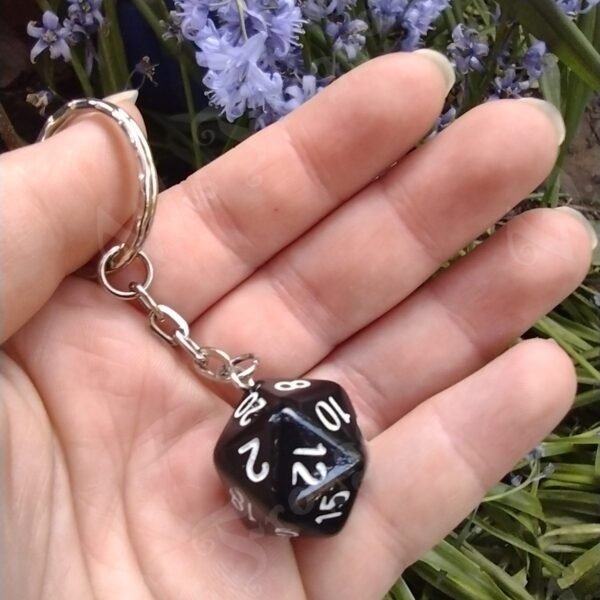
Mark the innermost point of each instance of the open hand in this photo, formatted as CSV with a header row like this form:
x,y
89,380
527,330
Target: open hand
x,y
289,246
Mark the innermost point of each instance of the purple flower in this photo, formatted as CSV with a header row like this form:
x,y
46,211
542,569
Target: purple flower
x,y
348,35
84,20
445,119
248,48
144,70
40,100
575,7
299,93
468,49
316,10
52,35
284,25
296,93
533,60
192,18
410,20
172,27
418,19
280,20
235,78
85,15
588,5
510,85
385,13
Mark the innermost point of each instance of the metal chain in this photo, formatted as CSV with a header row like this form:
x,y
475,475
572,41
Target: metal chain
x,y
171,326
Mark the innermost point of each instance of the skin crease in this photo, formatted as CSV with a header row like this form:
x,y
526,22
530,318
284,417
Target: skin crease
x,y
286,247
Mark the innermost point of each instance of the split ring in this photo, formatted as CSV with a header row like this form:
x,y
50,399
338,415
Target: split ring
x,y
148,178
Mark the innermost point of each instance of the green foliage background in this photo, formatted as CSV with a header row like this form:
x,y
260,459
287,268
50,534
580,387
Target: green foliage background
x,y
538,538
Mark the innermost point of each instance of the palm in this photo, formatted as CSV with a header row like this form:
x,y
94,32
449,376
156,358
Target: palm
x,y
122,473
112,492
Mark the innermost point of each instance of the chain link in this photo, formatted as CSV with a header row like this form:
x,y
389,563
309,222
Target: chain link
x,y
172,327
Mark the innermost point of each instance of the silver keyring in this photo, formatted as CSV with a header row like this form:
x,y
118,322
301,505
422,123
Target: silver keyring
x,y
148,178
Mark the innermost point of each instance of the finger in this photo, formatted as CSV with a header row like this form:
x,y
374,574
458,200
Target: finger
x,y
463,318
371,254
475,432
215,229
63,199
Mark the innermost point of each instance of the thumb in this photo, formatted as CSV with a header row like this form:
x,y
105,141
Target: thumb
x,y
62,200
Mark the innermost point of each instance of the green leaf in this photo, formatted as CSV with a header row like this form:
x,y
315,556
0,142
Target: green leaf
x,y
575,534
583,331
499,575
550,82
462,572
520,500
588,562
401,591
596,255
550,563
546,21
564,549
575,473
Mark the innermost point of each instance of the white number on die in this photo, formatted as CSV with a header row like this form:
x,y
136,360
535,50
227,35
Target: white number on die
x,y
331,414
285,532
240,503
253,446
331,504
320,450
237,499
288,386
250,405
299,470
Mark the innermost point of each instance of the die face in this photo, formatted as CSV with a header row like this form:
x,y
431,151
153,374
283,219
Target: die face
x,y
293,457
245,461
317,475
324,402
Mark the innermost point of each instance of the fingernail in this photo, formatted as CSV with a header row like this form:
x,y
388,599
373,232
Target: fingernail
x,y
125,96
581,218
442,63
552,113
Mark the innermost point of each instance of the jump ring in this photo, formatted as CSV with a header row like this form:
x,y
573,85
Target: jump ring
x,y
103,274
216,374
147,177
243,378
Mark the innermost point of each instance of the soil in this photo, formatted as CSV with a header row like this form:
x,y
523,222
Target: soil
x,y
581,174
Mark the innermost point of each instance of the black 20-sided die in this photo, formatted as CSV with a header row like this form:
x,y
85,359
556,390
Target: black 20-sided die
x,y
292,457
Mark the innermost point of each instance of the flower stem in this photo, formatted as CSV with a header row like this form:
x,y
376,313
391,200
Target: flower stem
x,y
189,100
109,77
458,9
8,133
450,19
371,34
113,68
44,5
84,80
172,48
148,14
